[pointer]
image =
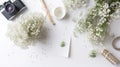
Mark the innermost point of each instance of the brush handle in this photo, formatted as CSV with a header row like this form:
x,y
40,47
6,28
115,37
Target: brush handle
x,y
48,13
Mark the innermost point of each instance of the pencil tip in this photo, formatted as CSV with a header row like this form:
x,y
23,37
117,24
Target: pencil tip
x,y
54,24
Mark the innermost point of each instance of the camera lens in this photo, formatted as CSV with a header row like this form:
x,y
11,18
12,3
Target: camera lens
x,y
10,8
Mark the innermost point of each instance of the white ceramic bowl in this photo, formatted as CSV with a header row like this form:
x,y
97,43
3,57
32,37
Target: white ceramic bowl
x,y
59,12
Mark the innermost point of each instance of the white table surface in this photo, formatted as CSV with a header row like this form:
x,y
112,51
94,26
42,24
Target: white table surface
x,y
13,56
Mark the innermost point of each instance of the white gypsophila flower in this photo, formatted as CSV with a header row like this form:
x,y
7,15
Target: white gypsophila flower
x,y
106,6
26,29
73,4
116,15
95,23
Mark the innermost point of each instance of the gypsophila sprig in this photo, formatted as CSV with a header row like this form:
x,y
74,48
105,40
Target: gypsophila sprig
x,y
74,4
26,29
98,20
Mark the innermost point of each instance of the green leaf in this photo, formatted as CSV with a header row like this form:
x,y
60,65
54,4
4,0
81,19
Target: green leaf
x,y
62,44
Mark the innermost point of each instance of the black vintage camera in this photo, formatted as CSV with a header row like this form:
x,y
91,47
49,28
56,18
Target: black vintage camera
x,y
10,9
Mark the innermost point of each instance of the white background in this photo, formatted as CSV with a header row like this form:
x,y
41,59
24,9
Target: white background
x,y
40,56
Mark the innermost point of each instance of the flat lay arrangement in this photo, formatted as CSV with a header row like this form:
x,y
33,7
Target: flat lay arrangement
x,y
35,32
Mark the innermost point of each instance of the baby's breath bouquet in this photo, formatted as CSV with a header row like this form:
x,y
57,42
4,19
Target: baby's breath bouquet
x,y
26,29
98,20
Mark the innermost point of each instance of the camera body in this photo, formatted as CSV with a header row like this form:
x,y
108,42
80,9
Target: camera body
x,y
10,9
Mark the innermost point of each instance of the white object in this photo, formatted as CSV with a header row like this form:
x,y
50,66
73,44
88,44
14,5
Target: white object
x,y
59,12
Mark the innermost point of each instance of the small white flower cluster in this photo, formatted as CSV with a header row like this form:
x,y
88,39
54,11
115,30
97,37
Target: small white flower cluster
x,y
99,31
116,14
73,4
97,22
26,29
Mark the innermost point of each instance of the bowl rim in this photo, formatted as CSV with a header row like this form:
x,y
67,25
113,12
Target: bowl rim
x,y
63,12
